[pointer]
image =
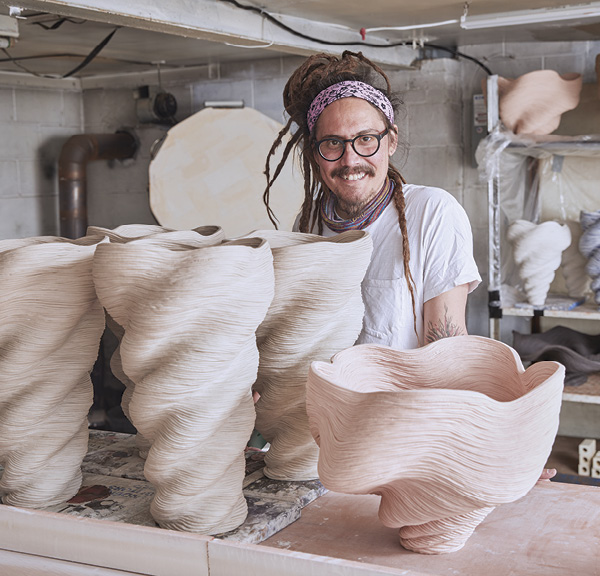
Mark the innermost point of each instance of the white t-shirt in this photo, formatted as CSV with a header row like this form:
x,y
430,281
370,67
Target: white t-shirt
x,y
441,258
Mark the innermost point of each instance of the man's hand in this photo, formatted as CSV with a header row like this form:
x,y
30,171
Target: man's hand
x,y
547,473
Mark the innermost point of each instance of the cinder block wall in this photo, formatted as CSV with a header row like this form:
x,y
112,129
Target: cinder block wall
x,y
34,124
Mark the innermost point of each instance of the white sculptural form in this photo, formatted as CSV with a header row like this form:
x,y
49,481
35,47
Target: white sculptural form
x,y
573,264
537,251
443,433
166,237
534,102
51,323
589,245
317,310
189,317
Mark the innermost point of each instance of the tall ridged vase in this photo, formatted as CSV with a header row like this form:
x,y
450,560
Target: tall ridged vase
x,y
589,245
166,237
51,323
317,311
189,317
443,433
537,251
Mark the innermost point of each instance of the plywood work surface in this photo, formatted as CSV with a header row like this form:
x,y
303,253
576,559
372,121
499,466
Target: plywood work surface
x,y
553,530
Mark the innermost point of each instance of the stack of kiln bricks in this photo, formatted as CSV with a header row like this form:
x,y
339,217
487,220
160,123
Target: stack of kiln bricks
x,y
589,459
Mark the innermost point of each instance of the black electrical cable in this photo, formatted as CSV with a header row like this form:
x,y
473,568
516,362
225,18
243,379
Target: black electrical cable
x,y
287,28
92,54
461,55
77,68
15,59
58,23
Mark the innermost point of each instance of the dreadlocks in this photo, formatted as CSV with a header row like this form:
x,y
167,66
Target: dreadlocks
x,y
316,74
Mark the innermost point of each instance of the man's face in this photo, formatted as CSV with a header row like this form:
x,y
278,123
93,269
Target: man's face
x,y
353,179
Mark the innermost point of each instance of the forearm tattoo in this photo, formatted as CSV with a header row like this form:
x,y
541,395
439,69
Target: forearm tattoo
x,y
442,328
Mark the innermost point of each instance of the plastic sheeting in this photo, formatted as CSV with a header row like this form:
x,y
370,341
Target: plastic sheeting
x,y
541,179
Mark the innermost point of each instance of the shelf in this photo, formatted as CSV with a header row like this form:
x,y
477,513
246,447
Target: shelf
x,y
587,393
552,142
584,312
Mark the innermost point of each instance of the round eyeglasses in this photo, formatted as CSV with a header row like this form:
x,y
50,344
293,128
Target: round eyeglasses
x,y
365,145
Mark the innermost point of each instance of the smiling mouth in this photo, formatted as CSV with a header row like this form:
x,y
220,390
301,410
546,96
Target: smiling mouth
x,y
358,176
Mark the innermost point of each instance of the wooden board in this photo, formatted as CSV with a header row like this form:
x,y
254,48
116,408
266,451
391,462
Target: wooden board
x,y
553,531
209,171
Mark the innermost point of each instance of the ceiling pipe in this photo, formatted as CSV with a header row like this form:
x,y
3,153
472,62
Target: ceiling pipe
x,y
77,151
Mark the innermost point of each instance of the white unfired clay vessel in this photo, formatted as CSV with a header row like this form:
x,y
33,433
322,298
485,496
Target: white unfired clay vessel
x,y
166,237
589,245
573,264
51,323
443,433
534,102
189,317
317,311
537,251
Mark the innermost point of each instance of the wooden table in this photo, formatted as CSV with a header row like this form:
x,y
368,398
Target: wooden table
x,y
553,530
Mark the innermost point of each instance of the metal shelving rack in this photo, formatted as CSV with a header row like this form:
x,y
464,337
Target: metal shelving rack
x,y
590,392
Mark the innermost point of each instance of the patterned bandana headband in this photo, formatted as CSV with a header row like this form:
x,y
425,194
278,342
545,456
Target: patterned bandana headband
x,y
348,89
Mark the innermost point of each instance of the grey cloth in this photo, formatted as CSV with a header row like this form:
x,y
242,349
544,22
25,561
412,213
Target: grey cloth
x,y
578,352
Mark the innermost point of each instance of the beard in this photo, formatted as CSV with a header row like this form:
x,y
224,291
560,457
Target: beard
x,y
350,208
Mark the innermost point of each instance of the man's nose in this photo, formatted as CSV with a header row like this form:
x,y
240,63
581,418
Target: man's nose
x,y
350,156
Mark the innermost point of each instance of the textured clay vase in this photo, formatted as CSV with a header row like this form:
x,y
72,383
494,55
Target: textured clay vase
x,y
573,264
534,102
589,246
443,433
317,311
579,353
189,317
537,251
51,323
166,237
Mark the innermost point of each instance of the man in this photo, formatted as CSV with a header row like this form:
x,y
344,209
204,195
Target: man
x,y
415,290
422,268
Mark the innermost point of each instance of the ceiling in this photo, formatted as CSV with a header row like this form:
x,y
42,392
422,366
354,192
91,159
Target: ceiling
x,y
54,37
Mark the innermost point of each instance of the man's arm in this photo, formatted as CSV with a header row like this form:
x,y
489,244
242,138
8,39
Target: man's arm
x,y
444,315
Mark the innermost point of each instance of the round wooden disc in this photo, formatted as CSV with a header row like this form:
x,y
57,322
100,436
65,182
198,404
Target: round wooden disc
x,y
210,171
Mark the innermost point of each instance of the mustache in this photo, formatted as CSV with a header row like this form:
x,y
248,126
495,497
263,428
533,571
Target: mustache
x,y
344,171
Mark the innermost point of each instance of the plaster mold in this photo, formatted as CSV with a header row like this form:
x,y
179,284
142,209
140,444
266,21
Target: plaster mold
x,y
537,251
51,323
317,311
166,237
434,431
589,245
534,102
189,317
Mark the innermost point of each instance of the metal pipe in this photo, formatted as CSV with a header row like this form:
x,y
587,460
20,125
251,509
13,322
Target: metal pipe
x,y
77,151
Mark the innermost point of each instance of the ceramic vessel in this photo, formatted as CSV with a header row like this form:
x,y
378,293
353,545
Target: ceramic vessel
x,y
579,353
537,251
573,264
51,323
534,102
434,431
168,238
317,311
189,317
589,245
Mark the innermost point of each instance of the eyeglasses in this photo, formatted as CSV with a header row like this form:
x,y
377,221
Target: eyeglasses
x,y
365,145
